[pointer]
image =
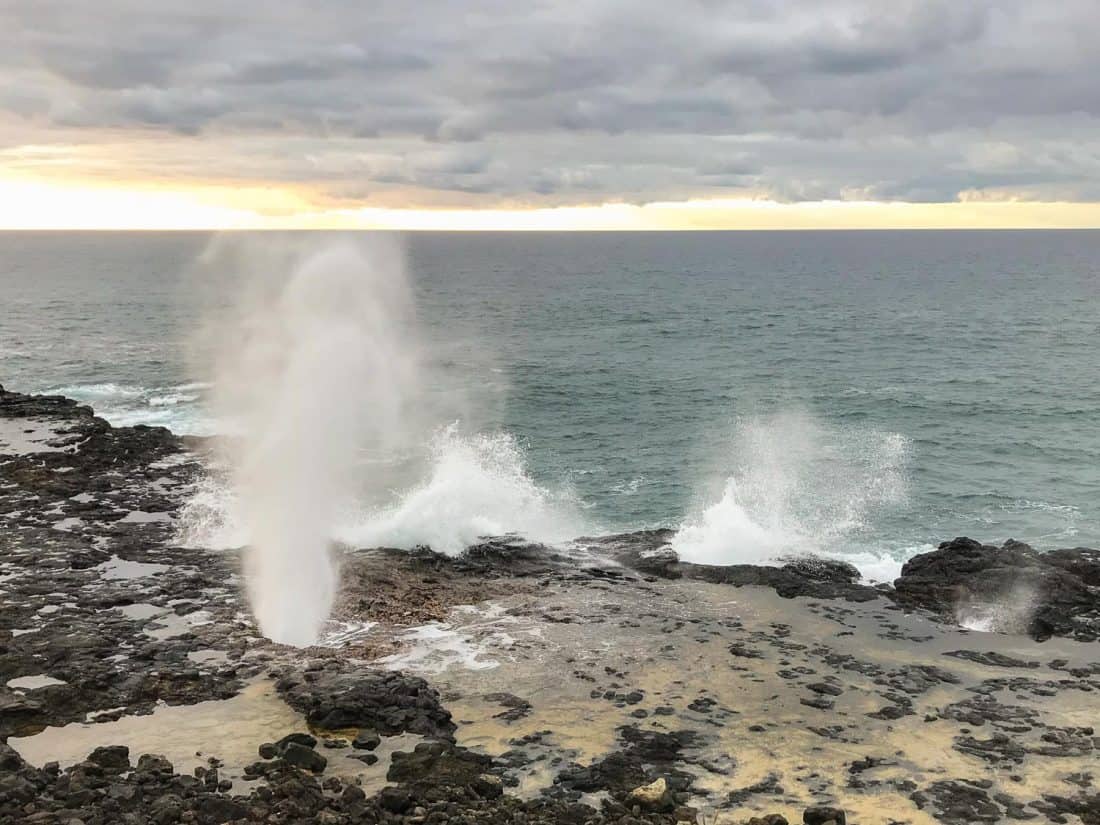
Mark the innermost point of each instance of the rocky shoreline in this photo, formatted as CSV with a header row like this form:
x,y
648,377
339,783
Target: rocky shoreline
x,y
605,682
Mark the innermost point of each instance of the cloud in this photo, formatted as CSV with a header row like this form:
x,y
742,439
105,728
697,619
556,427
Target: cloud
x,y
491,103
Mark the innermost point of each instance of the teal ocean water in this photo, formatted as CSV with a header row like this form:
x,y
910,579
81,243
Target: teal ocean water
x,y
863,393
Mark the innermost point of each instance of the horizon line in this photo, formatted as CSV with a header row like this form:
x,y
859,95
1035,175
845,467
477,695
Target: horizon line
x,y
640,230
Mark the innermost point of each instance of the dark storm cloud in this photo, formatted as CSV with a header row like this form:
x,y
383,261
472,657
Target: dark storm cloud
x,y
570,102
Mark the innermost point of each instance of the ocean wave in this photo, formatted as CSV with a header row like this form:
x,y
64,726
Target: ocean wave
x,y
172,399
175,406
799,486
476,486
106,390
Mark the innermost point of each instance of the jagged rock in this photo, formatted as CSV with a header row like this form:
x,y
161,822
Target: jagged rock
x,y
958,802
391,703
111,757
301,756
154,763
516,708
1042,594
395,800
488,786
441,762
303,739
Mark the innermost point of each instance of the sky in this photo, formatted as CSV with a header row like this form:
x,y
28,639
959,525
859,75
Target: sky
x,y
587,114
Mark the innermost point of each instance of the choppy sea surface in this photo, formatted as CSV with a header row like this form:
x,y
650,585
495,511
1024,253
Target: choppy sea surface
x,y
861,393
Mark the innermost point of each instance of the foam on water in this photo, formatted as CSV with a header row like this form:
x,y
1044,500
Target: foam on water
x,y
175,406
471,486
476,486
799,486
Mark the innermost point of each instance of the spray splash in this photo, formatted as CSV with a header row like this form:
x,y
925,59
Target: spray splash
x,y
476,486
314,365
797,487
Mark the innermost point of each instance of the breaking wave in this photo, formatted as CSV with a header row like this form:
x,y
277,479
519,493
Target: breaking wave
x,y
798,486
175,406
471,487
476,486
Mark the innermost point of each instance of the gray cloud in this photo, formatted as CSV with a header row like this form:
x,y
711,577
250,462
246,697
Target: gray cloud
x,y
491,102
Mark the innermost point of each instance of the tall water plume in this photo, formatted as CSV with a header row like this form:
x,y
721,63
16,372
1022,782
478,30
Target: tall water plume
x,y
314,362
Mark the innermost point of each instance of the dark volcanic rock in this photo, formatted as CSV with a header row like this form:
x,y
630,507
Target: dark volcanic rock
x,y
958,802
515,707
111,757
823,815
303,739
648,552
990,657
649,755
512,555
817,578
339,697
441,763
366,740
1046,594
301,756
90,507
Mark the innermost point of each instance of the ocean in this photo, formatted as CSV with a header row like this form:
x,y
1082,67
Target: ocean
x,y
862,394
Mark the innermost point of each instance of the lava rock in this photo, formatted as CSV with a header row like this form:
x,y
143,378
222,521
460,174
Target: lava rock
x,y
823,815
301,756
387,701
111,757
1049,593
366,740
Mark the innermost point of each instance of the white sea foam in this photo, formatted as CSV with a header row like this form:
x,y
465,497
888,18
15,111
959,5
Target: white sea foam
x,y
210,517
798,486
176,406
468,487
475,486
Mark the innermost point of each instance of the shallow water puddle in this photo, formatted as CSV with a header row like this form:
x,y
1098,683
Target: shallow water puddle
x,y
140,610
143,517
33,682
208,657
169,625
116,568
230,730
21,436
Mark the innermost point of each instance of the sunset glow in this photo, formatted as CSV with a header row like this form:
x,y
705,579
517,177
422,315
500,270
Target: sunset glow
x,y
28,204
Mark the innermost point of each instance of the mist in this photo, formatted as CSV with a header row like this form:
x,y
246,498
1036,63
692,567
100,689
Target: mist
x,y
315,361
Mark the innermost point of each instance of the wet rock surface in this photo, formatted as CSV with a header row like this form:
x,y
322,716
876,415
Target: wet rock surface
x,y
607,683
335,696
1013,586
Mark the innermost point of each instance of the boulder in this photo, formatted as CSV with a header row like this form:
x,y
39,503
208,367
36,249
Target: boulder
x,y
340,697
115,758
1018,588
366,740
652,797
302,757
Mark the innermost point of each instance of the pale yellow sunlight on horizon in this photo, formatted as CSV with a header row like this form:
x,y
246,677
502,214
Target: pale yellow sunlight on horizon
x,y
29,204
